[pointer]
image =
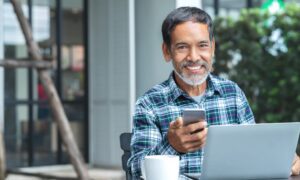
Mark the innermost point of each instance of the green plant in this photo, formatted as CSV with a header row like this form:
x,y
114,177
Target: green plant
x,y
261,52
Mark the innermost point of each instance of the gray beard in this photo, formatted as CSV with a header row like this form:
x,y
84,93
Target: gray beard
x,y
194,80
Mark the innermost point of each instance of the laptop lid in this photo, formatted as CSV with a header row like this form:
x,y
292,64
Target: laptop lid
x,y
250,151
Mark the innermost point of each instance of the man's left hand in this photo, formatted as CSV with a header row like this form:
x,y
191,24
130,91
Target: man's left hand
x,y
296,166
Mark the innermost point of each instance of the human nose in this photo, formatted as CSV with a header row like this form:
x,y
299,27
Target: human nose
x,y
193,54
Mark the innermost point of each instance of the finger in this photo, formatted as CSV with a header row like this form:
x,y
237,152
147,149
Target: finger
x,y
194,146
296,166
191,128
199,136
196,137
197,126
178,123
172,125
295,159
295,171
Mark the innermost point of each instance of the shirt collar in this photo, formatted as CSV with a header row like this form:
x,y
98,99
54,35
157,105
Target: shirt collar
x,y
212,88
175,91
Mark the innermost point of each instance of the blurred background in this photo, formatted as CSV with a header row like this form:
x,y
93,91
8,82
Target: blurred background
x,y
108,52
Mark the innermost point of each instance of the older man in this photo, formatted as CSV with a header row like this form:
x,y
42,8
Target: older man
x,y
188,42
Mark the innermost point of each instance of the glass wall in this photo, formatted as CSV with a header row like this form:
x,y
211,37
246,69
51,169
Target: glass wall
x,y
31,134
15,114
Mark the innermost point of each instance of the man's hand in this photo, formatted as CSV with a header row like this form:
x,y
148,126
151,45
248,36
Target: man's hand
x,y
187,138
296,166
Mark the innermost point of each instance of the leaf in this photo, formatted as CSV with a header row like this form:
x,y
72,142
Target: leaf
x,y
267,70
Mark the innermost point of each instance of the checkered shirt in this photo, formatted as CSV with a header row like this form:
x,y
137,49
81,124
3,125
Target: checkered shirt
x,y
223,101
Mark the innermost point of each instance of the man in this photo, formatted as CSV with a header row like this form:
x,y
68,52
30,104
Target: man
x,y
188,42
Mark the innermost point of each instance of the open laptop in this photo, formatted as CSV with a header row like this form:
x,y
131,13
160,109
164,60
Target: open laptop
x,y
258,151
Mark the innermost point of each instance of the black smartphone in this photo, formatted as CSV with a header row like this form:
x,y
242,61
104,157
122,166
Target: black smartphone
x,y
193,115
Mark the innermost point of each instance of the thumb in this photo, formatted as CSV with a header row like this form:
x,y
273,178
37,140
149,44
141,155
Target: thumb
x,y
177,123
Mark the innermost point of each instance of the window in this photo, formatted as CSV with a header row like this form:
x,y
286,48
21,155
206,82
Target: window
x,y
31,134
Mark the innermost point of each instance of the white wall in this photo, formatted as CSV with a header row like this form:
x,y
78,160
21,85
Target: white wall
x,y
125,60
110,92
151,68
1,69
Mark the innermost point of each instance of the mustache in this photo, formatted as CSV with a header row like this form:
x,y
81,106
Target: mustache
x,y
194,63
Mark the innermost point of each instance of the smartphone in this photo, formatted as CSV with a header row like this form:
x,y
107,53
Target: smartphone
x,y
193,115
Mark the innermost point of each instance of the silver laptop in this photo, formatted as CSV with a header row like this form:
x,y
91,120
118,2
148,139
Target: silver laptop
x,y
258,151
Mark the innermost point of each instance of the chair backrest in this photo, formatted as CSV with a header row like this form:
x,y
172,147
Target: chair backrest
x,y
125,139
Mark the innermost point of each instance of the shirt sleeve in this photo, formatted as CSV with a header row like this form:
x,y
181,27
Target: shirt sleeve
x,y
244,111
146,139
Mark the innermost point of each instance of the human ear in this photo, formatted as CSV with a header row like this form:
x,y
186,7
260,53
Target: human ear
x,y
166,52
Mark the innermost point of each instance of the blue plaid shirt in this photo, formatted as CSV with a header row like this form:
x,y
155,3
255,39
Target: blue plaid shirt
x,y
223,101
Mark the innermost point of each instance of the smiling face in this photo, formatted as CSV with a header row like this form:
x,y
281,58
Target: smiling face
x,y
191,52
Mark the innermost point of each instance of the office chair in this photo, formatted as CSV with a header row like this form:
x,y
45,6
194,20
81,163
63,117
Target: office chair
x,y
125,139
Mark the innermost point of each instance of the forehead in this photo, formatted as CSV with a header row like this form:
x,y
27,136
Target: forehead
x,y
190,31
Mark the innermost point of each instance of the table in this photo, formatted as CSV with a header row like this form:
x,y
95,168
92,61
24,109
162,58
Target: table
x,y
183,177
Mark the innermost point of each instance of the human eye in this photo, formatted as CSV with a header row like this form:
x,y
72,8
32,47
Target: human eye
x,y
181,48
203,45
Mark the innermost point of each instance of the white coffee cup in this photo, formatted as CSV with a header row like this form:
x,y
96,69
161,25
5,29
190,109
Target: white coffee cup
x,y
161,167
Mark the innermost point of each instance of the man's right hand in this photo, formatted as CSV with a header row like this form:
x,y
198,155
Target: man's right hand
x,y
187,138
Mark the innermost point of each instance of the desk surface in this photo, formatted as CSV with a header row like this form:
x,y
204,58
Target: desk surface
x,y
183,177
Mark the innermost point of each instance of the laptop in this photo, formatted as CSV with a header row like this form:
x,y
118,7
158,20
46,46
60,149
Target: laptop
x,y
257,151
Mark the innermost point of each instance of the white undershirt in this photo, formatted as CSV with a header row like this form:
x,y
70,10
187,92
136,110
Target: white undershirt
x,y
198,98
